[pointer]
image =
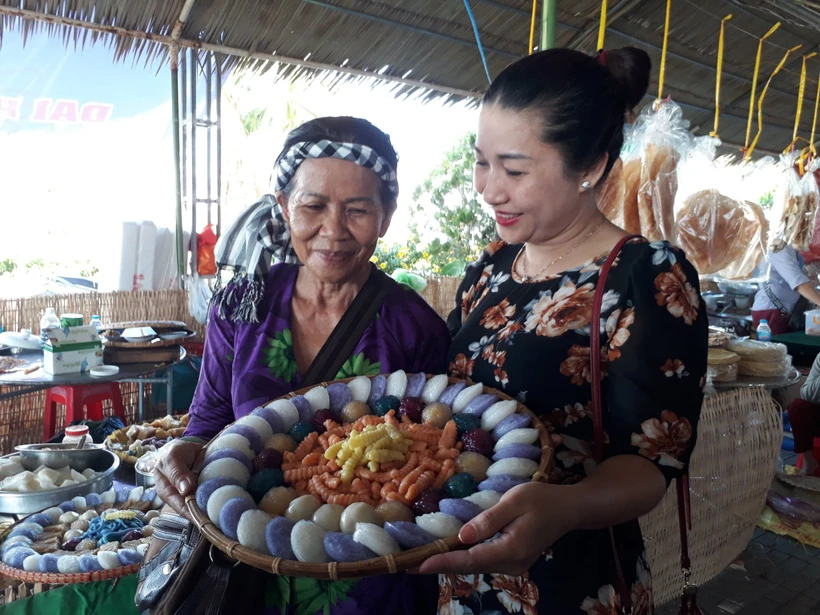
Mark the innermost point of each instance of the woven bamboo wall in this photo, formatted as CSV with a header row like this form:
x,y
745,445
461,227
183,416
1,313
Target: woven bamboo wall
x,y
441,294
21,418
16,314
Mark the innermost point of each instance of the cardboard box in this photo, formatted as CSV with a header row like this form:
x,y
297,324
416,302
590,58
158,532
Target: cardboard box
x,y
72,350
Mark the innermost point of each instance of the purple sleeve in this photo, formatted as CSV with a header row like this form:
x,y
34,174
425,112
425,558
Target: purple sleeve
x,y
212,408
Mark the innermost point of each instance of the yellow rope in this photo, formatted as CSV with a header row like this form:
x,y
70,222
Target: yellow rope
x,y
532,25
665,43
602,27
814,121
714,133
754,84
801,93
762,96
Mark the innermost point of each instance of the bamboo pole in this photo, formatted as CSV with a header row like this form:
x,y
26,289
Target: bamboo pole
x,y
549,18
173,51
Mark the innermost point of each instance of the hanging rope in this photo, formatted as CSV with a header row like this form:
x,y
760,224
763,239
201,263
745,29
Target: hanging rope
x,y
723,21
602,27
762,96
532,25
801,93
665,43
754,85
814,121
478,40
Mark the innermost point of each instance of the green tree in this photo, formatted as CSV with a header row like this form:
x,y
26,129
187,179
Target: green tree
x,y
390,258
450,227
252,120
7,266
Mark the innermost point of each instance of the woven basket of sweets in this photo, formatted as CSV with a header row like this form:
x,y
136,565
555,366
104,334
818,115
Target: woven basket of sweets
x,y
132,442
363,476
90,538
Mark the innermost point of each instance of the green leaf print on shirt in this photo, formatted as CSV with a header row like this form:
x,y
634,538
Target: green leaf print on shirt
x,y
358,365
277,593
311,595
279,356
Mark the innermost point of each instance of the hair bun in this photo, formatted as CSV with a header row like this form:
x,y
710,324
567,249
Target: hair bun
x,y
630,68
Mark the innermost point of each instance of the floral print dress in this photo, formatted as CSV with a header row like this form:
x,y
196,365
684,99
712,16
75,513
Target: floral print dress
x,y
248,365
532,341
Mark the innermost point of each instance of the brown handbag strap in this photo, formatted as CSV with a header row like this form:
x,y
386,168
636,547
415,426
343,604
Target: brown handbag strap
x,y
595,347
595,350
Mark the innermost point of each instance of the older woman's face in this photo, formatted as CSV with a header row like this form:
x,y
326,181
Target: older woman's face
x,y
336,217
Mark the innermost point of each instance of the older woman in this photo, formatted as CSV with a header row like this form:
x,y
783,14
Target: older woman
x,y
336,194
550,129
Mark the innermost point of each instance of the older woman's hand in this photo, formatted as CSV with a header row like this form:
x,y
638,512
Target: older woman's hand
x,y
173,473
530,519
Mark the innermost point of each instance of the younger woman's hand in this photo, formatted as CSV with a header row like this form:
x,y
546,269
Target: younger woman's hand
x,y
530,518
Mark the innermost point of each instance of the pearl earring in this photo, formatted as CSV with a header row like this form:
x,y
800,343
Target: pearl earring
x,y
585,185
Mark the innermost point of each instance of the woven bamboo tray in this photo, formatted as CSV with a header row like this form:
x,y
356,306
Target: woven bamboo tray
x,y
389,564
55,578
114,342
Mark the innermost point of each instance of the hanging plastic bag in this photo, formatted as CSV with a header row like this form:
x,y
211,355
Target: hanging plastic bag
x,y
205,258
722,236
809,232
199,298
789,207
639,195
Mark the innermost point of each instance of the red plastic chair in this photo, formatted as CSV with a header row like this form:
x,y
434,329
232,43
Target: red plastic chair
x,y
76,399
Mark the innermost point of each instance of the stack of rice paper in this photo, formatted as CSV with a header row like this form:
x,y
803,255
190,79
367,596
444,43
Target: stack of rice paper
x,y
761,359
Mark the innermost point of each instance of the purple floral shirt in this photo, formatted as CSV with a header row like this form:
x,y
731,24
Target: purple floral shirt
x,y
248,365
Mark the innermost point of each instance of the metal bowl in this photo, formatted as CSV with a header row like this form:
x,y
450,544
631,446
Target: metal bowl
x,y
711,300
745,289
57,456
23,503
143,478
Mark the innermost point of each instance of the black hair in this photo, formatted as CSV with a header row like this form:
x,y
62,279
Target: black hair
x,y
346,129
583,100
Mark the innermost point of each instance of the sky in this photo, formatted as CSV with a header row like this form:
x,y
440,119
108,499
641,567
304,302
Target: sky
x,y
86,144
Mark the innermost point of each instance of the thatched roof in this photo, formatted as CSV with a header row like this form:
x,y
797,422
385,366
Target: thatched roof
x,y
428,46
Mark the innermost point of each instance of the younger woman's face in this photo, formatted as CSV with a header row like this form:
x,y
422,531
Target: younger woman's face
x,y
522,178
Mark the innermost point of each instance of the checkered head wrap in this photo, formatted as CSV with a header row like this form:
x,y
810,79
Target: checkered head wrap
x,y
260,237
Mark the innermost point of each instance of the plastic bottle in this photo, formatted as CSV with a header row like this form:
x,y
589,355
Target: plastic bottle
x,y
96,322
74,434
764,332
49,322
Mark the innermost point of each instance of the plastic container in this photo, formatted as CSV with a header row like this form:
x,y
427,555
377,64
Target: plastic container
x,y
71,320
96,322
75,433
764,331
48,322
813,322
